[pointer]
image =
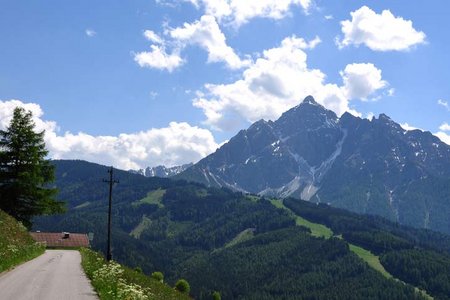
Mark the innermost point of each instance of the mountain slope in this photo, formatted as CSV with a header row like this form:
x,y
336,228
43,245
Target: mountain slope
x,y
189,231
373,167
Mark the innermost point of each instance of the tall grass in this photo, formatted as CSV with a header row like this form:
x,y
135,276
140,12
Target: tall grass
x,y
114,281
16,245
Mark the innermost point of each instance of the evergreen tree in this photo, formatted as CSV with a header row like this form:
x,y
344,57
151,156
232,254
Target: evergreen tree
x,y
25,172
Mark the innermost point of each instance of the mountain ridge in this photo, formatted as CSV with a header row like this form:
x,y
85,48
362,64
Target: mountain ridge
x,y
363,165
162,171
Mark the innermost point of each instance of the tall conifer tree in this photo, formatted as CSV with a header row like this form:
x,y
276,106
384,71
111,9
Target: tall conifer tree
x,y
25,173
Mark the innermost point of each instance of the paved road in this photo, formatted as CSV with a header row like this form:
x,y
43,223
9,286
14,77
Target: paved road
x,y
55,275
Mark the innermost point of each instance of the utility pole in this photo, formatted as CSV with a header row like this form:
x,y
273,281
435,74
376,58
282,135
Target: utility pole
x,y
111,181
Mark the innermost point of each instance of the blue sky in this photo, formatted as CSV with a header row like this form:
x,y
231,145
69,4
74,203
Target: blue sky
x,y
141,83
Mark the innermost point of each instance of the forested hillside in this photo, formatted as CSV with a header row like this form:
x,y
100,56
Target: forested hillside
x,y
240,245
416,256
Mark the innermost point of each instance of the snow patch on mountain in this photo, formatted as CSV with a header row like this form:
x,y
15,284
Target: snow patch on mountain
x,y
162,171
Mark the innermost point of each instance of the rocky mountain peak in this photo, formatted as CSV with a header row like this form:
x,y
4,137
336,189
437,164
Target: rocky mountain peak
x,y
385,118
348,118
310,100
258,125
366,166
386,121
307,115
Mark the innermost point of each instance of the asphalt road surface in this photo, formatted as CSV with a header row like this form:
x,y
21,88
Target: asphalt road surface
x,y
55,275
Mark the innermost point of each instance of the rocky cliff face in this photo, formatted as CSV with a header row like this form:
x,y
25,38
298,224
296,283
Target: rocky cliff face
x,y
371,166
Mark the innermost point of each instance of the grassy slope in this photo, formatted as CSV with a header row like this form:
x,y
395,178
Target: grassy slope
x,y
16,245
153,197
371,259
317,230
114,281
145,223
243,236
320,230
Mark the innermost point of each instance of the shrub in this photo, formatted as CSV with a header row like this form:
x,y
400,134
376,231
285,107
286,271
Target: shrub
x,y
116,282
158,276
183,286
216,295
106,279
131,292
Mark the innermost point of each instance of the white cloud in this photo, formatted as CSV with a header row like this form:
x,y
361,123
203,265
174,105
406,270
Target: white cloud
x,y
276,82
204,33
90,32
313,43
444,127
207,34
379,32
408,127
329,17
153,94
443,137
158,58
361,80
153,37
370,115
239,12
443,103
173,145
169,3
7,109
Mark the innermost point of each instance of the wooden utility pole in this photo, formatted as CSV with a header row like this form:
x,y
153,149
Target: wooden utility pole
x,y
111,181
